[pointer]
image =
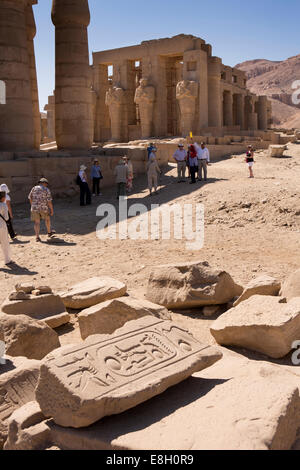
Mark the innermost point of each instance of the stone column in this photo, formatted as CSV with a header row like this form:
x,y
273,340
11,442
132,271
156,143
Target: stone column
x,y
73,96
187,94
144,98
240,114
31,32
115,102
16,116
214,92
253,121
262,113
199,61
154,67
228,108
50,108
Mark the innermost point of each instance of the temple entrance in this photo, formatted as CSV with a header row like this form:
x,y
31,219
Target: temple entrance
x,y
174,68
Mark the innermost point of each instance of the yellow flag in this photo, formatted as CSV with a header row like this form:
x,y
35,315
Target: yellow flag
x,y
191,135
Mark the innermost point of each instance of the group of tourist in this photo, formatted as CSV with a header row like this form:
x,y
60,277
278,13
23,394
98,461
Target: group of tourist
x,y
195,159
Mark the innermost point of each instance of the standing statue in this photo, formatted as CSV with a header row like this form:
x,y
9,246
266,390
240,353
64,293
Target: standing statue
x,y
114,99
144,98
186,94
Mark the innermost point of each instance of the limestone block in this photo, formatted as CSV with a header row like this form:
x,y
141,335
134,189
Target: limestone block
x,y
26,287
107,375
190,285
27,429
41,307
263,285
255,405
291,287
18,379
26,337
108,316
276,150
92,292
261,323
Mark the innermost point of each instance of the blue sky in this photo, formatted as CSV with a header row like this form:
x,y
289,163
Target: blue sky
x,y
238,30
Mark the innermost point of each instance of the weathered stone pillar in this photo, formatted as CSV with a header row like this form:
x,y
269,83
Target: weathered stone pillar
x,y
115,102
144,98
50,108
253,121
73,97
31,32
262,113
155,68
16,116
196,69
187,94
240,114
228,108
214,92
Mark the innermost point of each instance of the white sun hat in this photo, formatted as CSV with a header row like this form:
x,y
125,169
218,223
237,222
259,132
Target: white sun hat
x,y
4,188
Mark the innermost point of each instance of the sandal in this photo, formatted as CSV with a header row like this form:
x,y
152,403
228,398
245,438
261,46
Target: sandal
x,y
50,234
38,239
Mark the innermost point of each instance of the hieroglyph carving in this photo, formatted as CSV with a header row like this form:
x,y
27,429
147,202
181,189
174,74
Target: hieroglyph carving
x,y
110,374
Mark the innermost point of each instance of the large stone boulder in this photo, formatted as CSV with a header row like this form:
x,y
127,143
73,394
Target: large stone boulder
x,y
109,374
276,151
18,379
263,285
261,323
236,404
24,336
189,285
291,287
48,307
107,317
92,292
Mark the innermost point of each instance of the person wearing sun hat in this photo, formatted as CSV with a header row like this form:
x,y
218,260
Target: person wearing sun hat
x,y
41,207
85,193
180,157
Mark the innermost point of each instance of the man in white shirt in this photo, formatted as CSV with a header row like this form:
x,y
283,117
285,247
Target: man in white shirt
x,y
180,157
203,161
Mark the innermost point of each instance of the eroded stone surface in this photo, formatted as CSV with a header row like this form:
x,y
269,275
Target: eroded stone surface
x,y
263,285
92,292
107,375
236,404
41,307
261,323
190,285
291,287
27,429
108,316
24,336
18,379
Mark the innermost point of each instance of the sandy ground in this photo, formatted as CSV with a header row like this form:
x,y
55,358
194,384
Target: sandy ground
x,y
252,226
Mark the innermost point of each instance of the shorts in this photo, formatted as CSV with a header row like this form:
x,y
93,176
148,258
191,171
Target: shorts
x,y
250,164
37,216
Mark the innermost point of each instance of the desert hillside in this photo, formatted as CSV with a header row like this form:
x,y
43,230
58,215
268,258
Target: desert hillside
x,y
275,79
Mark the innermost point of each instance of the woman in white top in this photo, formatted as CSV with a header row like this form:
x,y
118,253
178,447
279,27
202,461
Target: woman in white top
x,y
85,193
12,233
3,229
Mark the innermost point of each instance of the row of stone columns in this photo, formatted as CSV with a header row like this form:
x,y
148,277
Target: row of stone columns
x,y
199,94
